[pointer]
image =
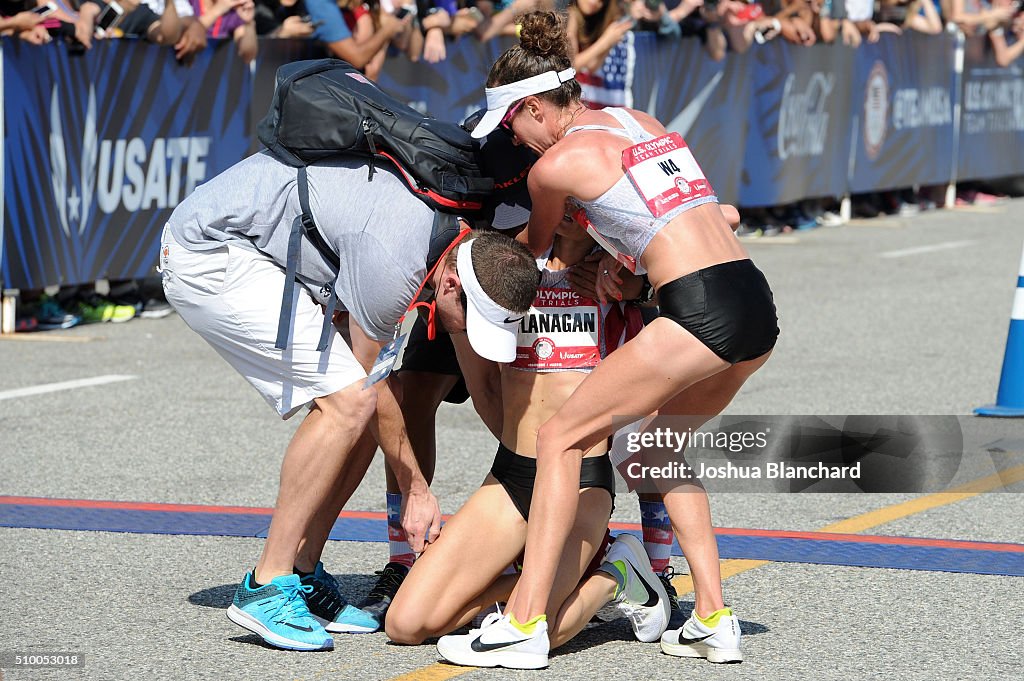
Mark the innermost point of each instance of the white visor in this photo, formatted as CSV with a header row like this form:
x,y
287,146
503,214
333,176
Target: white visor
x,y
500,98
490,327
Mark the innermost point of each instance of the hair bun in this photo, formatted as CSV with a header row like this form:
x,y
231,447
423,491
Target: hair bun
x,y
543,35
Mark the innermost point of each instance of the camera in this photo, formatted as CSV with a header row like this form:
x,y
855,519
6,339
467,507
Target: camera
x,y
110,16
44,10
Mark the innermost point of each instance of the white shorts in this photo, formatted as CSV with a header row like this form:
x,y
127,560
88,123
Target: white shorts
x,y
231,296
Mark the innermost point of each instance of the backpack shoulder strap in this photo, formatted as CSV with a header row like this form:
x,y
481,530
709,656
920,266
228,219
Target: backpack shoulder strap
x,y
303,224
309,227
443,231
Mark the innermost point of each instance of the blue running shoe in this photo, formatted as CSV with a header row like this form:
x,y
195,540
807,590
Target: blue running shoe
x,y
52,316
277,613
330,608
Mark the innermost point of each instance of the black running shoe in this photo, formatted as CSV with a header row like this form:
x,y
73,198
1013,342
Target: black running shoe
x,y
666,578
329,607
383,592
154,308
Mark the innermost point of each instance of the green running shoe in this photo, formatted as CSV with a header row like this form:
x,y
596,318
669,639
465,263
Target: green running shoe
x,y
97,309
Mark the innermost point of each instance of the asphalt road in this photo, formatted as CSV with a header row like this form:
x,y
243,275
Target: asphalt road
x,y
891,316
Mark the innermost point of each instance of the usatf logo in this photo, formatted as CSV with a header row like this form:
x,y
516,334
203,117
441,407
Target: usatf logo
x,y
120,174
544,347
876,110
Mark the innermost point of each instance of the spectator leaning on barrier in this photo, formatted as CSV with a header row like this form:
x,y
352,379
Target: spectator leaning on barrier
x,y
433,20
330,28
363,21
282,19
745,23
793,19
594,28
976,17
835,22
63,23
468,18
500,16
914,15
235,19
162,26
653,16
19,22
697,18
163,23
1008,42
441,19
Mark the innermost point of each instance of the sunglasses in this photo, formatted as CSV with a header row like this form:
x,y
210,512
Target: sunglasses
x,y
429,306
506,120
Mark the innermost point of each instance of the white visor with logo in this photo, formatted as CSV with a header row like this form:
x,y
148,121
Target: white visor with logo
x,y
500,98
491,328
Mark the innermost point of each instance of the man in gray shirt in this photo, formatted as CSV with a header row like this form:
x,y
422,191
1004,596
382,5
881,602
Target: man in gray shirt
x,y
225,254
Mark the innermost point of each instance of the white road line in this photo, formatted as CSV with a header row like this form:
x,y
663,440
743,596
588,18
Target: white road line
x,y
64,385
931,248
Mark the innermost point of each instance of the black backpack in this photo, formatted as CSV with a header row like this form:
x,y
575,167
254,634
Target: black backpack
x,y
325,107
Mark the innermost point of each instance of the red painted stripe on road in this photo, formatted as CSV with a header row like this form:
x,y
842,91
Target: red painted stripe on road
x,y
378,515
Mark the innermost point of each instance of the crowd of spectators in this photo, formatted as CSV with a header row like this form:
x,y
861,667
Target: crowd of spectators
x,y
367,33
364,33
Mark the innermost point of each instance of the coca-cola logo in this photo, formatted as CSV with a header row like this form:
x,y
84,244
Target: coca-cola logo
x,y
803,119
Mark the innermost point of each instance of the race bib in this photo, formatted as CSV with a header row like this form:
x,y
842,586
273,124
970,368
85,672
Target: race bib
x,y
610,246
561,331
665,173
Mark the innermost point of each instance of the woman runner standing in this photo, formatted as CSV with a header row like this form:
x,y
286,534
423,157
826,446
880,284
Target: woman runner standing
x,y
647,199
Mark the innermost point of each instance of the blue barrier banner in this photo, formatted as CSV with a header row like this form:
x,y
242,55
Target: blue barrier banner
x,y
272,55
992,117
101,147
449,90
903,97
703,100
798,142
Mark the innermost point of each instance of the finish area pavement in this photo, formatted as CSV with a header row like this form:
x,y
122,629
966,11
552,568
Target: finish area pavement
x,y
136,470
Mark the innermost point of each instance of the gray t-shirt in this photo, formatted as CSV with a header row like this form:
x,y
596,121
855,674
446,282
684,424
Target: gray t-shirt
x,y
379,229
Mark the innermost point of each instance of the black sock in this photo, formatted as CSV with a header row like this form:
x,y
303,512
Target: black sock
x,y
253,584
300,573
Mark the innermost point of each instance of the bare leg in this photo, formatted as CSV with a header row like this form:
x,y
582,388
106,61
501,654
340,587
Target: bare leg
x,y
592,594
320,452
664,359
476,544
575,596
687,504
576,601
312,545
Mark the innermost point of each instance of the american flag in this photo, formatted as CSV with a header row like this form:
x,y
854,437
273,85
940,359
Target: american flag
x,y
612,84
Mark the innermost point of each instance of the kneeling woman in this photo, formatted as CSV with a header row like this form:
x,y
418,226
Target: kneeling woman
x,y
559,341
